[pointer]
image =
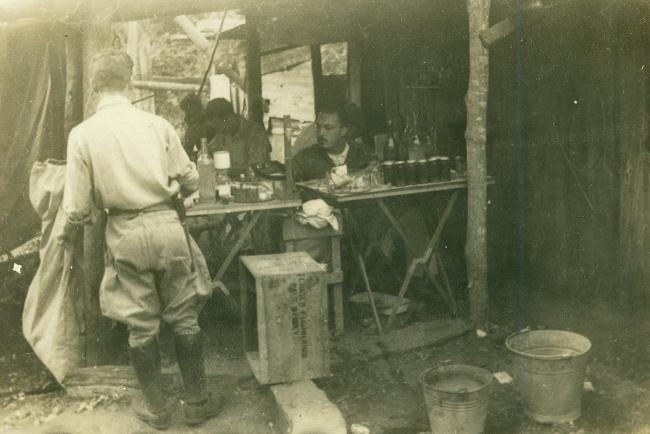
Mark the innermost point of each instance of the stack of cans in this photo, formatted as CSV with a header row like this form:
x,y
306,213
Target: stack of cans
x,y
413,172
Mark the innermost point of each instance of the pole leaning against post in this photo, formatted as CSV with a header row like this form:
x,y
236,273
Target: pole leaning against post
x,y
97,35
476,137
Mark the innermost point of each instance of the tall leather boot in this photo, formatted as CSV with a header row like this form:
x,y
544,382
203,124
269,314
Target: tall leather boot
x,y
157,411
199,405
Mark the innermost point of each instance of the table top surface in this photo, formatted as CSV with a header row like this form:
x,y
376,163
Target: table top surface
x,y
383,191
216,208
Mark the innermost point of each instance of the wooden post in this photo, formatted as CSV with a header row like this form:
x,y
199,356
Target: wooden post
x,y
354,70
316,72
74,100
138,46
475,137
288,154
96,36
253,71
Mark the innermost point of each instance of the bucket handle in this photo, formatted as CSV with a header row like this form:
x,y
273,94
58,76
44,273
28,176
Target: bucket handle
x,y
436,366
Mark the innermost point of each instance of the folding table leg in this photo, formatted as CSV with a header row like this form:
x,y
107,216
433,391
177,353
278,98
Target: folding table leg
x,y
243,305
397,226
424,259
445,282
235,249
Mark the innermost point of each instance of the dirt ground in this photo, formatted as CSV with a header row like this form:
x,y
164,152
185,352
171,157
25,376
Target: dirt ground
x,y
383,394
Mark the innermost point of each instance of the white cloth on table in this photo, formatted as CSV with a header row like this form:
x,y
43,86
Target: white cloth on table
x,y
318,214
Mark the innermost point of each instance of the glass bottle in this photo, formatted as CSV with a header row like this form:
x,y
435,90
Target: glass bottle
x,y
206,173
390,153
405,142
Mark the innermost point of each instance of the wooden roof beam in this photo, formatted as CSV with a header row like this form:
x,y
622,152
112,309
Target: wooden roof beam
x,y
121,10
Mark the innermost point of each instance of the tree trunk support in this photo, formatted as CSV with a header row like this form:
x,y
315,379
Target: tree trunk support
x,y
476,137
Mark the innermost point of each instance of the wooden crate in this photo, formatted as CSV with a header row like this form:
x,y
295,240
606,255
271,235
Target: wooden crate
x,y
292,321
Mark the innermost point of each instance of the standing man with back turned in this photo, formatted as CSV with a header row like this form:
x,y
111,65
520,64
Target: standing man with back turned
x,y
132,163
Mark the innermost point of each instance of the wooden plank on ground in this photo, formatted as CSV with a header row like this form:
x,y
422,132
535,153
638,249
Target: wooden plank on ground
x,y
359,346
101,380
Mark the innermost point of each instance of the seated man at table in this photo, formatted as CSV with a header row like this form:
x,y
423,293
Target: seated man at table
x,y
333,147
336,146
355,129
246,141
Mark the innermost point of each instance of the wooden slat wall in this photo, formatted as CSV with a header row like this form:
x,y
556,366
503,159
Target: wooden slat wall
x,y
572,91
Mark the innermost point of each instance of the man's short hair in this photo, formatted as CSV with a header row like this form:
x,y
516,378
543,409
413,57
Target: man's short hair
x,y
349,114
339,111
192,107
219,109
111,70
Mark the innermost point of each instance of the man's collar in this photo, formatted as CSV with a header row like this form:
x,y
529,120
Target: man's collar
x,y
112,100
346,148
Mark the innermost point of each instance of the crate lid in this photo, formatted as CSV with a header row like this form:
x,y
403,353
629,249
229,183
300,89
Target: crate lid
x,y
281,264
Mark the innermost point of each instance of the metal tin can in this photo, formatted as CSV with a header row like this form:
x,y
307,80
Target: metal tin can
x,y
411,172
400,173
444,168
388,167
423,175
431,169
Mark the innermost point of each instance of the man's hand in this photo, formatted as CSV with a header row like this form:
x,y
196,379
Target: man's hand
x,y
69,233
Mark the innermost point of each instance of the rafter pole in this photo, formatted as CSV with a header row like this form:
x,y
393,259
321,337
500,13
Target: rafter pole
x,y
201,41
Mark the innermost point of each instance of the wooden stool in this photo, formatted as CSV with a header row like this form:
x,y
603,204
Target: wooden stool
x,y
294,235
292,320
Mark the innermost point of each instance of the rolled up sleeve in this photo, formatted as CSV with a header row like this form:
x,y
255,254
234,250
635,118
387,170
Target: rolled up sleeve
x,y
180,167
77,196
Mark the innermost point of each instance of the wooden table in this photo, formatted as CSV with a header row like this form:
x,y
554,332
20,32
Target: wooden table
x,y
377,195
257,209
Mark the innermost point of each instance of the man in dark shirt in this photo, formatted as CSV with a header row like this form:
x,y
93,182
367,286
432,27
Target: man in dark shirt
x,y
246,141
334,147
195,126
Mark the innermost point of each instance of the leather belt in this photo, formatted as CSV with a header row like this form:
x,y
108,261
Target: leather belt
x,y
158,207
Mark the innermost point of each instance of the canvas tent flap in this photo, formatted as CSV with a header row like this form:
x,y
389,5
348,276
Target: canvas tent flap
x,y
32,84
52,322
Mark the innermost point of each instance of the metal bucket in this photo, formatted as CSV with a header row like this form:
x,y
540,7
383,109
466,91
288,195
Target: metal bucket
x,y
549,366
456,397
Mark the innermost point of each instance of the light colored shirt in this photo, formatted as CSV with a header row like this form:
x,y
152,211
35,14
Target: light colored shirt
x,y
339,159
123,157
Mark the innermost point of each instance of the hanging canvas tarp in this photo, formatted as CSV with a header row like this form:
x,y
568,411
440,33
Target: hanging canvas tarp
x,y
32,95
